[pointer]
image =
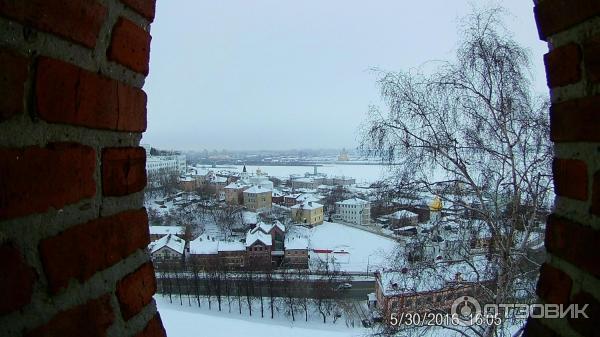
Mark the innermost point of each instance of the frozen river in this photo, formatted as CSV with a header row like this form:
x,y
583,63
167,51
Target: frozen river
x,y
361,172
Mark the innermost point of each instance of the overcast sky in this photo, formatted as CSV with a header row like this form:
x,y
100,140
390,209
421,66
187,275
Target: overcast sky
x,y
284,74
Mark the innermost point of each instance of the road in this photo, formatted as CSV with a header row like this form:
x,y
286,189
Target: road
x,y
305,288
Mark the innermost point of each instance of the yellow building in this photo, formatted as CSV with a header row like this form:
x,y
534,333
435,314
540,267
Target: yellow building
x,y
309,213
258,198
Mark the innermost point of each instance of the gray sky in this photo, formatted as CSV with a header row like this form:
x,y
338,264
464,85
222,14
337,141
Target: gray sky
x,y
276,74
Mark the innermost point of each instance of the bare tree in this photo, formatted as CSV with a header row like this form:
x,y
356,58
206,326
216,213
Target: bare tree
x,y
473,123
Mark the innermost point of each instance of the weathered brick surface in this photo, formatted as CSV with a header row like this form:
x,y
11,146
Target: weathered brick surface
x,y
79,21
586,326
591,57
130,46
553,16
573,242
563,65
554,286
35,178
570,178
68,94
123,170
145,7
575,120
81,251
16,279
135,290
536,328
90,319
154,328
595,207
13,73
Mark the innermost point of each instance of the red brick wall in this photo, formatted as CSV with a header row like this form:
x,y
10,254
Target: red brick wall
x,y
571,272
73,229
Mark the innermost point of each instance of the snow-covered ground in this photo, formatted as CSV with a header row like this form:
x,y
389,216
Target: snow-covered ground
x,y
190,321
350,248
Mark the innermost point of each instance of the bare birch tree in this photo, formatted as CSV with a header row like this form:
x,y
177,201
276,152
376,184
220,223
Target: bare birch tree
x,y
473,123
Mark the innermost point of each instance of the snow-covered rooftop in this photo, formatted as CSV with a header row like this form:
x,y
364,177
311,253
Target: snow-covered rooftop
x,y
204,245
402,214
296,242
353,201
267,228
165,230
257,189
308,205
171,241
252,237
434,277
231,246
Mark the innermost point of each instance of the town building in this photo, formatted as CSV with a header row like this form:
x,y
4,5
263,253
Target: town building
x,y
169,248
296,252
403,218
257,198
234,193
356,211
157,232
171,164
308,213
432,287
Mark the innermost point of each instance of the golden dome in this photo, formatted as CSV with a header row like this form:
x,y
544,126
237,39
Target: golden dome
x,y
436,205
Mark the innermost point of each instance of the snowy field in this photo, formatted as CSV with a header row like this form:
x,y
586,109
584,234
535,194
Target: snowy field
x,y
191,321
352,249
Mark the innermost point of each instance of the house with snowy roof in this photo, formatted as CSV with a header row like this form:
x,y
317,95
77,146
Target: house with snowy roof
x,y
356,211
169,248
157,232
431,287
259,247
296,252
257,198
234,192
403,218
308,213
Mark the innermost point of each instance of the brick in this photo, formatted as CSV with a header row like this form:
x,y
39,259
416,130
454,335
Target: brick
x,y
553,16
78,21
135,290
554,286
595,207
123,170
576,120
33,178
81,251
591,58
535,328
91,319
563,65
130,46
570,178
71,95
586,326
13,73
16,280
573,242
145,7
154,328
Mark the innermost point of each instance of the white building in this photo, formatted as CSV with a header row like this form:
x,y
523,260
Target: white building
x,y
168,164
354,210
